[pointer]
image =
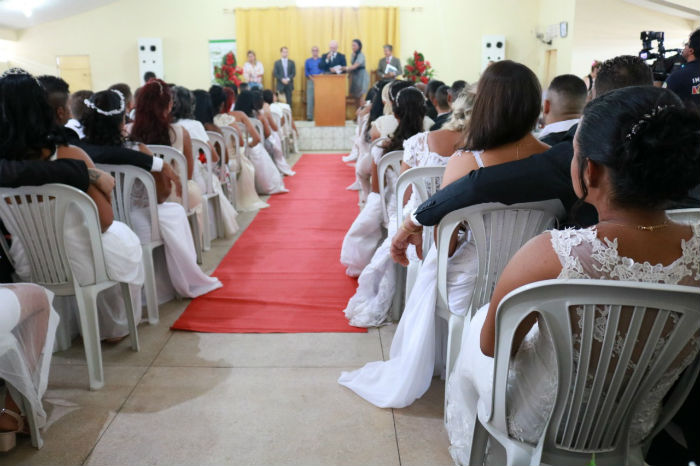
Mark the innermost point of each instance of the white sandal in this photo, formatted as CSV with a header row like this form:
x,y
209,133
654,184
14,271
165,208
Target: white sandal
x,y
8,439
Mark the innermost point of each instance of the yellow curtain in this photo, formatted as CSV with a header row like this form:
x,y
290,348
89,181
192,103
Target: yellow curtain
x,y
265,30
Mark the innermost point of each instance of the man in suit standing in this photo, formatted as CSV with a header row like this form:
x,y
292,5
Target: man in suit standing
x,y
284,72
333,61
389,67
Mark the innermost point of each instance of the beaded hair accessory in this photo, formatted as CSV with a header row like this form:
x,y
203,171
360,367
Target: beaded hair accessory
x,y
405,88
122,105
646,118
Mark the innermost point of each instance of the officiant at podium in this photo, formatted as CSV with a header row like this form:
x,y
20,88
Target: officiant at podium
x,y
389,67
333,61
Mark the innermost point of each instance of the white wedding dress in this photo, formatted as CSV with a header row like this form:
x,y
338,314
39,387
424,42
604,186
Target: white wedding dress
x,y
533,369
268,179
247,199
365,233
28,325
278,154
370,304
180,260
419,345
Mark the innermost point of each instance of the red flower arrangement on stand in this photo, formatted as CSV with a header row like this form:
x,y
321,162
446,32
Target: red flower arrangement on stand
x,y
418,69
228,72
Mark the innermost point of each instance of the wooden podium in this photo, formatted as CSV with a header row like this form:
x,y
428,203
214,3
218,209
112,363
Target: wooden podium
x,y
329,99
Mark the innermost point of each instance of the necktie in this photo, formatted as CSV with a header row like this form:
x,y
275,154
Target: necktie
x,y
284,65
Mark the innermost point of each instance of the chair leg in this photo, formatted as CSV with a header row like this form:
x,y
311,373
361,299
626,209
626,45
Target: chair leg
x,y
194,226
397,303
87,311
26,407
149,286
480,440
206,233
128,304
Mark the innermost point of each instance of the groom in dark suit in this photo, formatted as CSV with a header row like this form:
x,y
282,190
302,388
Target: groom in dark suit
x,y
284,72
332,59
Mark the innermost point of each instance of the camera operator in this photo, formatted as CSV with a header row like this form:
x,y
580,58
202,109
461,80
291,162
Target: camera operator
x,y
686,81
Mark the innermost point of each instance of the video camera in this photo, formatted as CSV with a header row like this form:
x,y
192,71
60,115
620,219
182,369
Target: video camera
x,y
663,64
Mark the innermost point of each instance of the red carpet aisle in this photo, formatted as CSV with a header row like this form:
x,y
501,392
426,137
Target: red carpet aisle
x,y
284,273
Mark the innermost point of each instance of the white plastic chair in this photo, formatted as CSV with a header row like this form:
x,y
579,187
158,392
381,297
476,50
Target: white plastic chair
x,y
598,397
211,209
126,177
389,160
425,182
688,216
232,145
288,120
179,163
278,122
259,128
35,215
227,179
499,231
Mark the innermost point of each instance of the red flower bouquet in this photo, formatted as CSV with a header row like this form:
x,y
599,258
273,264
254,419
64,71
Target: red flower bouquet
x,y
228,72
418,69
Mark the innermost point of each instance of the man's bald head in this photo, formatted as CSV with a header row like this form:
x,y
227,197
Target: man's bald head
x,y
333,46
565,98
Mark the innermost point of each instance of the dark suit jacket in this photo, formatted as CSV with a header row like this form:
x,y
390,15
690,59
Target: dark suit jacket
x,y
430,110
536,178
116,155
440,120
338,60
278,73
381,66
16,173
555,138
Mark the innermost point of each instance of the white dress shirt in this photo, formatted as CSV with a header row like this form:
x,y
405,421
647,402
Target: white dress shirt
x,y
557,127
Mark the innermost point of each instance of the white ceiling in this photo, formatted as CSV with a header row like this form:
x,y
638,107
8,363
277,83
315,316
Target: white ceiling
x,y
12,16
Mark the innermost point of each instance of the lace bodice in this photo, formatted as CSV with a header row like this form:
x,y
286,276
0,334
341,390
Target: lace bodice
x,y
583,255
416,152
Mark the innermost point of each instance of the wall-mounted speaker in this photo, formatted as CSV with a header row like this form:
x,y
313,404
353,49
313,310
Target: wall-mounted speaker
x,y
493,49
150,56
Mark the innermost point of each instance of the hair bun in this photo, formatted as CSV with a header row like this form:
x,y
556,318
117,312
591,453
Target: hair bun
x,y
662,155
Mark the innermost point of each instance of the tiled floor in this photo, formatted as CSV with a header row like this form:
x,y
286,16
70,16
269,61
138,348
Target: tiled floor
x,y
334,138
189,398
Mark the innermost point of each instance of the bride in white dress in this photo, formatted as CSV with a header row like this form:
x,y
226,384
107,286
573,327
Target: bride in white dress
x,y
268,179
103,123
631,129
365,233
274,140
247,199
418,348
370,304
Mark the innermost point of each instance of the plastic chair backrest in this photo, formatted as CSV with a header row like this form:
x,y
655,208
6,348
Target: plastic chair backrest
x,y
389,160
278,120
259,128
199,146
246,135
688,216
232,141
217,140
36,216
179,163
498,230
125,178
645,328
425,182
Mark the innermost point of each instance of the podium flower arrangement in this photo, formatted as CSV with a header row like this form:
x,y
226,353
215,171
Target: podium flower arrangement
x,y
228,72
418,69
